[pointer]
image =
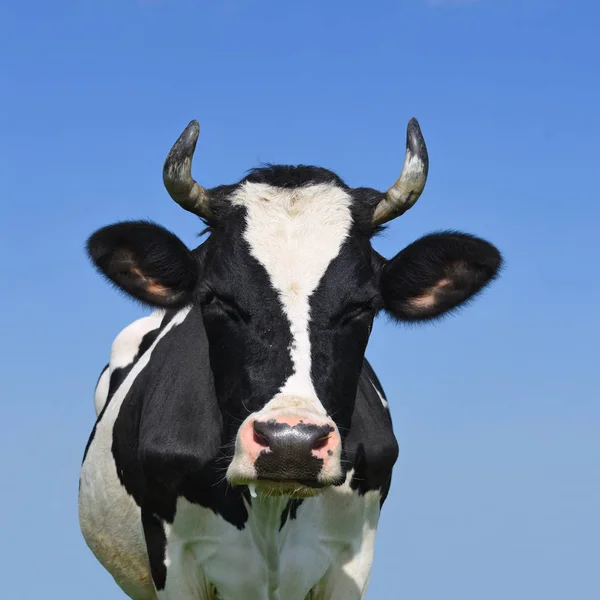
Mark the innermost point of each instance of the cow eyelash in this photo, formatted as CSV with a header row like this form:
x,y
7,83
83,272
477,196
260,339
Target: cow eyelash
x,y
352,312
227,305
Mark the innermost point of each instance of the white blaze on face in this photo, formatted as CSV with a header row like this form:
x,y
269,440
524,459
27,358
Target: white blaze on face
x,y
295,234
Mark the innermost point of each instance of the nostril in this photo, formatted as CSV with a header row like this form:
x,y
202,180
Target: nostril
x,y
282,438
321,443
261,440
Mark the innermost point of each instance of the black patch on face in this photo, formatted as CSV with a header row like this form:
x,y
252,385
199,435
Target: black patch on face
x,y
342,310
248,333
290,511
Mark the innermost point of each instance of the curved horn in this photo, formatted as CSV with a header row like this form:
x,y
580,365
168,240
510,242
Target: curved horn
x,y
406,191
177,174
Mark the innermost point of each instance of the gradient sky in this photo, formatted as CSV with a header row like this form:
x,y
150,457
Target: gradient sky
x,y
497,490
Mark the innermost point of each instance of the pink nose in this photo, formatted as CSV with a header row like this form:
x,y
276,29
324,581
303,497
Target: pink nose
x,y
292,449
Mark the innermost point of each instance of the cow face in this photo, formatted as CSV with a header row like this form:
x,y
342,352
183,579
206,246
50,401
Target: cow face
x,y
289,285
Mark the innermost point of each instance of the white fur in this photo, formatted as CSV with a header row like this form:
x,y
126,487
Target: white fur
x,y
123,350
101,391
127,343
295,234
325,553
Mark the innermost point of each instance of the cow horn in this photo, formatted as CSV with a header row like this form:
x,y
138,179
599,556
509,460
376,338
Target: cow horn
x,y
407,189
177,174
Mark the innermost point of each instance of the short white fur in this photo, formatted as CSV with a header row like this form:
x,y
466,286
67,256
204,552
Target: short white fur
x,y
124,349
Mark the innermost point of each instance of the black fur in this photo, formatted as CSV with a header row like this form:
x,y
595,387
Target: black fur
x,y
156,543
448,268
293,176
289,512
145,260
342,311
371,445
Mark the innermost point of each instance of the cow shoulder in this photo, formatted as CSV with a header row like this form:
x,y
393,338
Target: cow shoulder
x,y
168,433
127,347
101,390
371,443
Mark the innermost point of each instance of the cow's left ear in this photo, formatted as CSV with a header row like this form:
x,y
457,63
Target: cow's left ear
x,y
437,274
146,261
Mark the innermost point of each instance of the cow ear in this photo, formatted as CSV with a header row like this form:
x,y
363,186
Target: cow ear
x,y
436,274
146,261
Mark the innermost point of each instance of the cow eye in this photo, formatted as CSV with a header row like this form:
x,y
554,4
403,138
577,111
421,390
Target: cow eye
x,y
225,305
354,312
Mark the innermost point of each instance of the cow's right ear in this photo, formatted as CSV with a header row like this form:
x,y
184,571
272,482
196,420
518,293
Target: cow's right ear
x,y
145,260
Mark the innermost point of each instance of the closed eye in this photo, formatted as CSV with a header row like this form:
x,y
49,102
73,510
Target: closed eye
x,y
225,304
353,312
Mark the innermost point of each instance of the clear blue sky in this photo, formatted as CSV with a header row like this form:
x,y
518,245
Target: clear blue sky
x,y
497,489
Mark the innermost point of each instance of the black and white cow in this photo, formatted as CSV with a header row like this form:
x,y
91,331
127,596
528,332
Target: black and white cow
x,y
243,447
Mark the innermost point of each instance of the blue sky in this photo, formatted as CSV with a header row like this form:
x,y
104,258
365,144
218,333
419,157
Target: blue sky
x,y
497,411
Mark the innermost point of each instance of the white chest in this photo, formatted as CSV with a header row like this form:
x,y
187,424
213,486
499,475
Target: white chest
x,y
266,561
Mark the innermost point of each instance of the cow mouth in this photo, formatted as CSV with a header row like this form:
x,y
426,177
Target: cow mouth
x,y
271,488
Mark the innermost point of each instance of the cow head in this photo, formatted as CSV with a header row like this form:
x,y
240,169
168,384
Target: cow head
x,y
288,285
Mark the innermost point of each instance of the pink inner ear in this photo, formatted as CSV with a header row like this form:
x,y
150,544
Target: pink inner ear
x,y
151,285
156,289
427,301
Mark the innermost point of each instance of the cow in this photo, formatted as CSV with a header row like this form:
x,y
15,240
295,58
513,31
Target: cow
x,y
243,447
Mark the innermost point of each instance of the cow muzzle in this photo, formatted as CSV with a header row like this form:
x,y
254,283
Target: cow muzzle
x,y
284,453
